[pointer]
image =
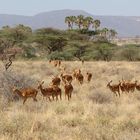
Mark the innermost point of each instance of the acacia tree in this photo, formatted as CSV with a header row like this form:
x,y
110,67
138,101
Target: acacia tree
x,y
9,37
79,51
18,34
104,52
55,44
7,53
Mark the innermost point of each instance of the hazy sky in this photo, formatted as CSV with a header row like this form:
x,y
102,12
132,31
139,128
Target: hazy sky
x,y
96,7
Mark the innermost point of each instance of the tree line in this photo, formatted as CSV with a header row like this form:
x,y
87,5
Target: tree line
x,y
74,44
88,23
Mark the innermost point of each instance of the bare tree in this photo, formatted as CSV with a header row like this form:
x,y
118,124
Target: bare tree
x,y
7,59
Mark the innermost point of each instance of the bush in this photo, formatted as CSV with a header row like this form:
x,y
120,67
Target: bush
x,y
131,53
76,35
99,97
61,56
104,52
46,31
10,79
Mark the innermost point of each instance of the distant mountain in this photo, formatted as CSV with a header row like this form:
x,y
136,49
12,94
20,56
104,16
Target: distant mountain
x,y
125,26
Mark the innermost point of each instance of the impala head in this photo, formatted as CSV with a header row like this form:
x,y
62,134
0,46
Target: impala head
x,y
66,82
14,89
79,71
120,83
109,83
61,75
40,85
88,73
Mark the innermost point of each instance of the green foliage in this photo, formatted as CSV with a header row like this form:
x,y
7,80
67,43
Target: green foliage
x,y
28,51
79,50
18,34
48,31
83,44
131,53
89,26
61,56
77,35
104,52
55,43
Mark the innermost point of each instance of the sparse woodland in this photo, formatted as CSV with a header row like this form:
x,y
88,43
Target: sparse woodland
x,y
84,40
68,85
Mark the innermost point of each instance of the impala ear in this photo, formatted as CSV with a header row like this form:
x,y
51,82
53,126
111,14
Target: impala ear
x,y
109,82
13,88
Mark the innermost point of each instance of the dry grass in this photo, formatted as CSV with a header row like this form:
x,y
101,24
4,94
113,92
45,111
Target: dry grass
x,y
94,113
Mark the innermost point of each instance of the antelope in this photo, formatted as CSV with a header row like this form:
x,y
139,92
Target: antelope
x,y
138,87
76,72
55,63
53,91
89,76
125,85
131,86
59,63
57,92
79,76
128,86
114,88
50,61
67,78
122,86
46,92
26,93
56,81
68,90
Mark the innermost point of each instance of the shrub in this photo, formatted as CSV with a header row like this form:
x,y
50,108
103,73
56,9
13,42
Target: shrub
x,y
99,97
104,52
131,53
8,79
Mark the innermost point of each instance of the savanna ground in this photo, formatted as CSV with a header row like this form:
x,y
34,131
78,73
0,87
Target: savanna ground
x,y
93,113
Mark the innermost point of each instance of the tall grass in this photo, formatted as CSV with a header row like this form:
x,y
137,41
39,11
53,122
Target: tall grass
x,y
93,113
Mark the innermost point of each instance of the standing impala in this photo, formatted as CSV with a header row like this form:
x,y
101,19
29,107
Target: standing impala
x,y
26,93
52,91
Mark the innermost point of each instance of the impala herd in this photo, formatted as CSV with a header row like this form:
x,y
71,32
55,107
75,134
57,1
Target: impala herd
x,y
54,91
123,87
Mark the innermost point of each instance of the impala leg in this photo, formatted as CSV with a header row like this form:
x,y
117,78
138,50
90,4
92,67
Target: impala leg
x,y
119,94
115,94
24,100
56,97
60,96
70,95
53,97
35,99
49,98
